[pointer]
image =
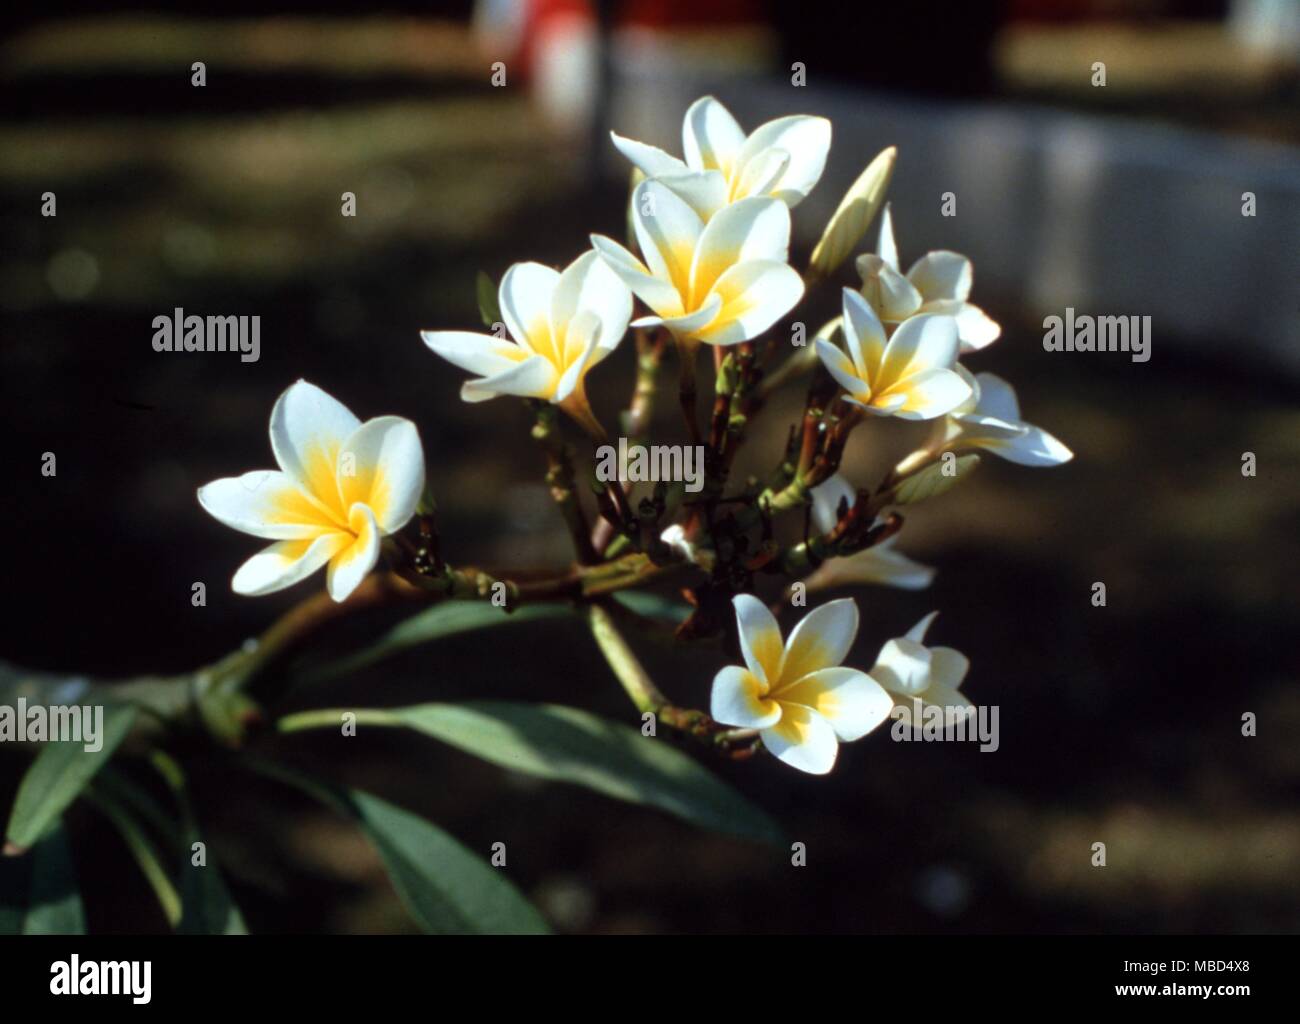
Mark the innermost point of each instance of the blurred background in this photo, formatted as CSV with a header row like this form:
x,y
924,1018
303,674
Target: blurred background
x,y
1119,724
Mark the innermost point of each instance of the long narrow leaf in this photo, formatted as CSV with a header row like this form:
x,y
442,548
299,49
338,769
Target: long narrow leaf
x,y
59,774
569,745
207,907
143,850
446,888
38,890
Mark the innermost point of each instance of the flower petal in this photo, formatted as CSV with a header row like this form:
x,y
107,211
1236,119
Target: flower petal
x,y
739,699
893,297
955,703
658,294
997,398
975,328
752,229
1034,446
929,393
917,632
942,274
851,701
535,377
525,299
807,140
886,565
821,640
588,284
688,325
754,296
864,335
886,247
760,638
349,566
265,503
948,667
285,563
761,175
585,331
651,160
841,367
920,343
308,428
667,230
483,354
711,138
903,667
705,192
826,499
382,466
803,740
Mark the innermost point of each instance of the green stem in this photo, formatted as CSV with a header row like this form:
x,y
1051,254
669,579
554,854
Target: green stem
x,y
560,479
634,678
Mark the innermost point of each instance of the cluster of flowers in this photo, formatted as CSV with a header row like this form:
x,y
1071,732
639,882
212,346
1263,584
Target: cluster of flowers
x,y
713,234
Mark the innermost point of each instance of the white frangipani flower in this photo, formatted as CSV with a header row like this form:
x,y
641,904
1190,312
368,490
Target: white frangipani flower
x,y
939,282
911,672
720,283
908,375
782,158
796,694
562,324
342,485
881,563
990,420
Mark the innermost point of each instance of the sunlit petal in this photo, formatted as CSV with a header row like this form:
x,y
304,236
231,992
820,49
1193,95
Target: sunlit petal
x,y
285,563
760,638
265,503
308,428
821,640
382,466
851,701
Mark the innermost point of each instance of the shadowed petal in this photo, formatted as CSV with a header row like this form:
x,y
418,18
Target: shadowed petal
x,y
738,699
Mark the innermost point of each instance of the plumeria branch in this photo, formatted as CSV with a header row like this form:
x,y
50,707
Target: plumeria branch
x,y
708,263
560,479
647,697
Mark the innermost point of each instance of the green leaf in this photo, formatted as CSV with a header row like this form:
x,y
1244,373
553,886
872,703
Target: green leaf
x,y
203,905
38,890
442,620
446,888
59,774
206,904
488,308
933,480
654,606
568,745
